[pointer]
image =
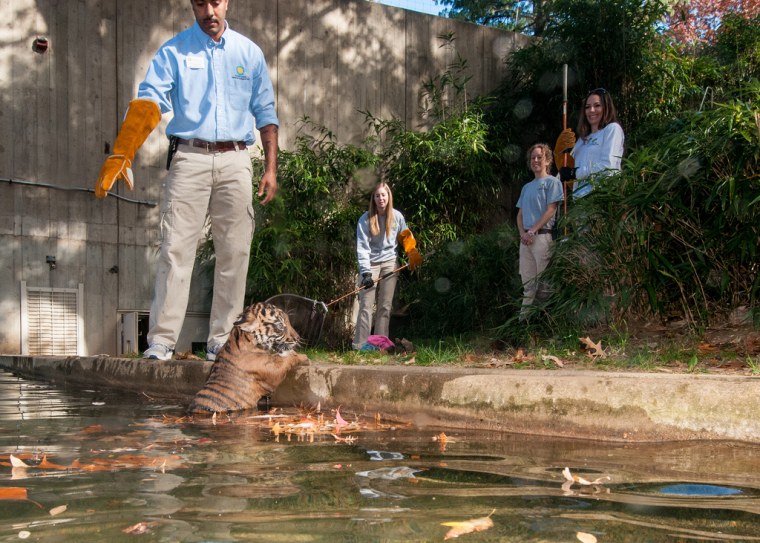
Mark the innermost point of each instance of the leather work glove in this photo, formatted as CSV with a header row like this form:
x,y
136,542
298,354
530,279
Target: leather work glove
x,y
563,148
367,281
141,118
567,174
410,248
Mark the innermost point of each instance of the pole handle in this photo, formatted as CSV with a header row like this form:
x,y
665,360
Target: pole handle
x,y
359,289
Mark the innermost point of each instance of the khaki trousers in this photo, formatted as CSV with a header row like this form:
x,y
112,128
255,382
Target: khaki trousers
x,y
200,185
381,295
534,259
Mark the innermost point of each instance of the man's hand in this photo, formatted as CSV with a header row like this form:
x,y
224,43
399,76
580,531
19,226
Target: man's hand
x,y
268,187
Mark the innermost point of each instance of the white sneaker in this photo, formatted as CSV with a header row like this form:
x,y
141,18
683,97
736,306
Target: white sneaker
x,y
211,352
158,351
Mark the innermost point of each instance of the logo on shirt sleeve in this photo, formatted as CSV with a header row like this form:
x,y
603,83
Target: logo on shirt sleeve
x,y
240,74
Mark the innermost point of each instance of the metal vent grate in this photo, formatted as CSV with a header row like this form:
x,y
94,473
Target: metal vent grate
x,y
52,321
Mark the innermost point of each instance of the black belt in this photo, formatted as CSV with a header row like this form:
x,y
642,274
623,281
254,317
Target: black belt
x,y
544,231
214,146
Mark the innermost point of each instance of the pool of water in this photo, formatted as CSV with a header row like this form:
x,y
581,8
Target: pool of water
x,y
82,465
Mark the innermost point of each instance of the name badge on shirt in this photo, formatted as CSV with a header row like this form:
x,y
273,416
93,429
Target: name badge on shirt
x,y
195,63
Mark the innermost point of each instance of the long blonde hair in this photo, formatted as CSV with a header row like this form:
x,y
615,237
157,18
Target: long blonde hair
x,y
374,223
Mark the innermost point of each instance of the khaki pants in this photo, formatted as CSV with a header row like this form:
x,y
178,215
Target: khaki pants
x,y
201,184
381,296
534,259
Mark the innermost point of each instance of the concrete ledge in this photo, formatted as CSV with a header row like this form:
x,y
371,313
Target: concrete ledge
x,y
173,378
581,404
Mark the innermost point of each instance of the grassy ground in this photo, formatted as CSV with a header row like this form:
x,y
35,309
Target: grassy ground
x,y
673,348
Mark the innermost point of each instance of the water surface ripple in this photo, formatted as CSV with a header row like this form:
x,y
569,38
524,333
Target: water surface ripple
x,y
128,465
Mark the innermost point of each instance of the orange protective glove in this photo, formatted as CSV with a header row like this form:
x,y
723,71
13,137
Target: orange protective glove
x,y
563,148
141,118
410,248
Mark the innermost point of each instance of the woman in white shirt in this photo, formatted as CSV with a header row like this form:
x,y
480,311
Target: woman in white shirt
x,y
599,148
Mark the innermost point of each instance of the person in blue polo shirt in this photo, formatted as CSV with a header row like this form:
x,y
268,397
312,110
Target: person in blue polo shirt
x,y
537,210
216,83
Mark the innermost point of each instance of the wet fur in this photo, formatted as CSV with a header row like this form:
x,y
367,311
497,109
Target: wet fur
x,y
255,360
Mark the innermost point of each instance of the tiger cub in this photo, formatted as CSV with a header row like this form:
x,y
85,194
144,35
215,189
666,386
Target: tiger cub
x,y
259,353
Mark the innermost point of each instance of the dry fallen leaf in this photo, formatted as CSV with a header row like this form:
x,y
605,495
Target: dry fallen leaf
x,y
595,349
468,526
553,359
583,537
519,356
706,348
186,355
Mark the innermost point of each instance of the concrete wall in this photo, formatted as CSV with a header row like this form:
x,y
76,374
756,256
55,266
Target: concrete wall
x,y
60,112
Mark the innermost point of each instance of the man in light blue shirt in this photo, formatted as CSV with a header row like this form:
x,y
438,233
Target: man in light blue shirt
x,y
216,83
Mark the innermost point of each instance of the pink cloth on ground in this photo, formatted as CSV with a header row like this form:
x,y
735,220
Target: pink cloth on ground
x,y
381,342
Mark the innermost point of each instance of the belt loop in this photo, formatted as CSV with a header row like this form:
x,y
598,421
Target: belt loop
x,y
237,146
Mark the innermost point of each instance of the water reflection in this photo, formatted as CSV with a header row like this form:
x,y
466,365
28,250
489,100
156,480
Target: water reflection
x,y
129,465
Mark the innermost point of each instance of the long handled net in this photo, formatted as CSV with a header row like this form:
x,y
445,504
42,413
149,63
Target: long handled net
x,y
308,316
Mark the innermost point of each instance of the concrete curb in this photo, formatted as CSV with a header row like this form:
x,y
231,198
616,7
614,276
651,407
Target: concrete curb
x,y
570,403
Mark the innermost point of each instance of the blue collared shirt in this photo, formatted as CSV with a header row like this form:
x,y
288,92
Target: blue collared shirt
x,y
215,90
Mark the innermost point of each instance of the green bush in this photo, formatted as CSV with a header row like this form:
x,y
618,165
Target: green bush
x,y
469,285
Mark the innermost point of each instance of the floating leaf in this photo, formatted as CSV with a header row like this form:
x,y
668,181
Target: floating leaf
x,y
580,480
338,419
468,526
49,465
16,493
139,528
583,537
58,510
18,463
13,493
347,439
